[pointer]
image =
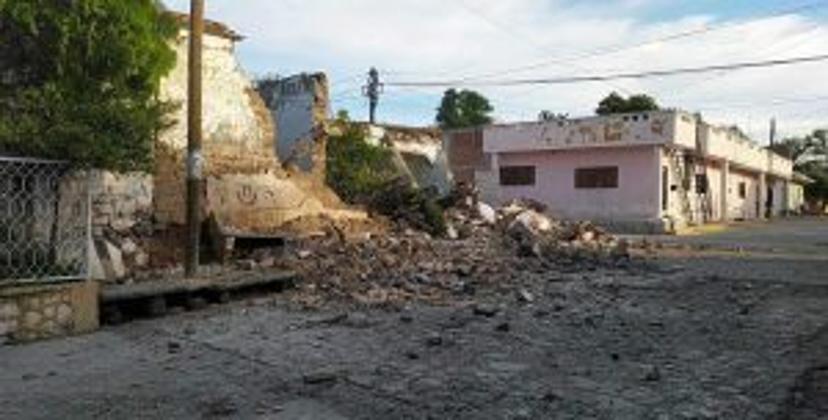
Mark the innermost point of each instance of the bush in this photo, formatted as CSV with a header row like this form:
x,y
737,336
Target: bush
x,y
361,173
402,202
355,169
79,80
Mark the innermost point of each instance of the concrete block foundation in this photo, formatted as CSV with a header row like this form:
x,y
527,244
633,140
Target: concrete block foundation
x,y
36,312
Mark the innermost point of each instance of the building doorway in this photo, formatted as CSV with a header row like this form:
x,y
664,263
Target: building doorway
x,y
665,188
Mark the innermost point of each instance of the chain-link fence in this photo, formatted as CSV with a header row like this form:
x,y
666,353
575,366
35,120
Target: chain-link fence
x,y
44,221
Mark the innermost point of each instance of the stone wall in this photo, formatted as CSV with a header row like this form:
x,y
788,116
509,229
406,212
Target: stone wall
x,y
30,313
122,223
120,202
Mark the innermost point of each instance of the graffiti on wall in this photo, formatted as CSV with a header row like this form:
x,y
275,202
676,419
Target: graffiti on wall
x,y
258,203
584,133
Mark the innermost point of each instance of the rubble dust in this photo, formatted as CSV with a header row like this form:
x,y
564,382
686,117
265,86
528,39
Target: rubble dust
x,y
390,263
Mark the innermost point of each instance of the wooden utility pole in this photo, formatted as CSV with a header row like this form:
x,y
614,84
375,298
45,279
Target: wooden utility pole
x,y
195,160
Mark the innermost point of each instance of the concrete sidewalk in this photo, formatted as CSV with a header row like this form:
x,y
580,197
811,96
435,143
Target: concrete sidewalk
x,y
793,236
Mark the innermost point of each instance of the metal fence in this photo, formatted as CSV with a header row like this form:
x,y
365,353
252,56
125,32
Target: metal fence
x,y
44,221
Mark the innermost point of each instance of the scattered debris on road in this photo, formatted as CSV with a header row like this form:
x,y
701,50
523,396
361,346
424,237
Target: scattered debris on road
x,y
392,262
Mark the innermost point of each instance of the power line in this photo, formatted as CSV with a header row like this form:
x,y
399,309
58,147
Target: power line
x,y
667,38
530,41
765,54
618,76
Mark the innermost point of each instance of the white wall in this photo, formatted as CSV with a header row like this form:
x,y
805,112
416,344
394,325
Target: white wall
x,y
742,208
229,116
649,128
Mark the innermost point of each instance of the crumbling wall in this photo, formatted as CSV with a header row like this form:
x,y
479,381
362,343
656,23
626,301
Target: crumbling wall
x,y
122,222
464,151
300,105
246,189
237,127
421,153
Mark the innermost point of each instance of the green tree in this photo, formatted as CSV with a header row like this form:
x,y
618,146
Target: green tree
x,y
547,115
810,157
465,108
79,79
617,104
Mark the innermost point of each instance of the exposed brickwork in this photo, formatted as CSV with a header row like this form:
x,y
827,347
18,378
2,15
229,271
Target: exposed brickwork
x,y
465,154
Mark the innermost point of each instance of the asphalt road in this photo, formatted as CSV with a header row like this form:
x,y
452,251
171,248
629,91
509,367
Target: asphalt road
x,y
796,237
672,337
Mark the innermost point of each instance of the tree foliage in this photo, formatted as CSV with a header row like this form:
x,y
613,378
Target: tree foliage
x,y
547,115
356,169
801,149
79,79
465,108
617,104
810,157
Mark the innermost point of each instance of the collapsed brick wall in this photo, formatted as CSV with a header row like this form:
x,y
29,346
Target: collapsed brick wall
x,y
300,105
464,149
237,126
246,188
420,150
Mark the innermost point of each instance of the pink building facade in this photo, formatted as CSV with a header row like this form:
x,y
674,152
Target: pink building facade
x,y
645,172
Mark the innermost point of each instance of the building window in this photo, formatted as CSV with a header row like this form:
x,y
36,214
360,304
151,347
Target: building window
x,y
604,177
517,175
702,184
742,190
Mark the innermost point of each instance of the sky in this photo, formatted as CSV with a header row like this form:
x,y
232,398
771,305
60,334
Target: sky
x,y
425,40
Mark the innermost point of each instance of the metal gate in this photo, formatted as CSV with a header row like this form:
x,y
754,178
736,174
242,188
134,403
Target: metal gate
x,y
44,221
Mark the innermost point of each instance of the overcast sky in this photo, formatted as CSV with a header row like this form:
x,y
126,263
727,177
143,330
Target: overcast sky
x,y
451,39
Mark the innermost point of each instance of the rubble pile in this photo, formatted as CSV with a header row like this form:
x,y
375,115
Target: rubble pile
x,y
482,248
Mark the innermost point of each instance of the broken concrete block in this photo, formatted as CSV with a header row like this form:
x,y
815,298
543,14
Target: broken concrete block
x,y
487,213
96,269
116,260
129,247
142,259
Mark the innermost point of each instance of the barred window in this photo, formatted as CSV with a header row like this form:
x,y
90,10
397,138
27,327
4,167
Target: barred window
x,y
591,178
517,175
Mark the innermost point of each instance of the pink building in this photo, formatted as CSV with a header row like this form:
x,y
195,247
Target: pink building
x,y
646,172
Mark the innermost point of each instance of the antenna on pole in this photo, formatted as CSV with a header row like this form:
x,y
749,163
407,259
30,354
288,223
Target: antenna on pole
x,y
373,89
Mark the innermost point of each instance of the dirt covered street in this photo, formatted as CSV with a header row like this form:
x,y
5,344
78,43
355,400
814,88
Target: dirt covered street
x,y
660,337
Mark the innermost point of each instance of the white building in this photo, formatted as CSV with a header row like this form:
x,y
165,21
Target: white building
x,y
651,171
